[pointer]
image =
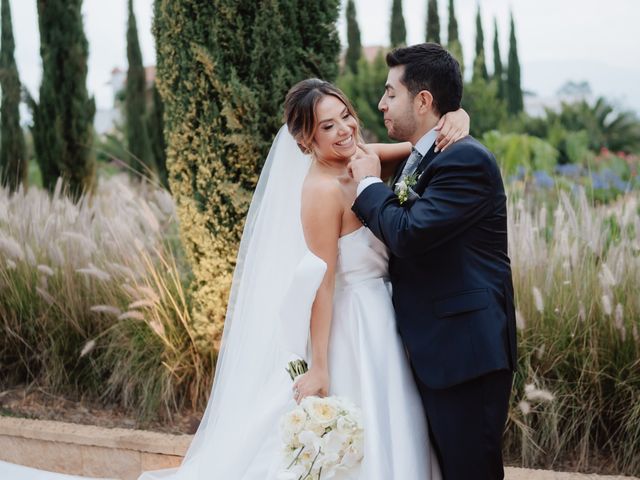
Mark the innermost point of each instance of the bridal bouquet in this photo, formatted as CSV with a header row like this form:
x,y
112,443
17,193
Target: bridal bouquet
x,y
321,436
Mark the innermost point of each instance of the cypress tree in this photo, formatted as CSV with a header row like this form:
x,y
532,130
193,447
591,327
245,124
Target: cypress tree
x,y
136,102
155,123
398,28
321,44
433,22
221,117
479,64
453,41
268,30
354,48
13,161
155,127
515,103
452,27
63,117
363,90
497,62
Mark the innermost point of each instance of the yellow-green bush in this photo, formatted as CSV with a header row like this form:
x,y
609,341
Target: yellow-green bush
x,y
224,68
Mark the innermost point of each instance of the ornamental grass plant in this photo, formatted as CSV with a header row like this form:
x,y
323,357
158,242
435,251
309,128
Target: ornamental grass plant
x,y
576,273
94,299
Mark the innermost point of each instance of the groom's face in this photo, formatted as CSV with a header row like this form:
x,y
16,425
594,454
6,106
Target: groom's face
x,y
397,106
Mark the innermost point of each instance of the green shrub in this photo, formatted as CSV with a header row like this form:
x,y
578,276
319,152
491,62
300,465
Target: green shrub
x,y
519,151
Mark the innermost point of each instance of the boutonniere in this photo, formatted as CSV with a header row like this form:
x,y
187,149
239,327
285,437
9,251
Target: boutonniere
x,y
404,186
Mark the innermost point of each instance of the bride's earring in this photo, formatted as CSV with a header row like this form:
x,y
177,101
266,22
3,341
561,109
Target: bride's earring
x,y
304,149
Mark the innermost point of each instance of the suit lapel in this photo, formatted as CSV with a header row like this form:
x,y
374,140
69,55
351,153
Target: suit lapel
x,y
424,163
420,186
396,176
426,160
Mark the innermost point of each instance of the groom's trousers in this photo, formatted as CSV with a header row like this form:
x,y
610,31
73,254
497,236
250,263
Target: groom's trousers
x,y
466,423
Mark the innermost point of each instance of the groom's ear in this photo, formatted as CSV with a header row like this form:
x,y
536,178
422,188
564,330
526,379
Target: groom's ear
x,y
424,101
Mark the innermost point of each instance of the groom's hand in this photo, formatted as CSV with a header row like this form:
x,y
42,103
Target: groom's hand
x,y
364,163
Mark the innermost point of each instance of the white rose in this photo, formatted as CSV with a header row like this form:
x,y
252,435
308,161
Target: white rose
x,y
294,420
305,404
324,411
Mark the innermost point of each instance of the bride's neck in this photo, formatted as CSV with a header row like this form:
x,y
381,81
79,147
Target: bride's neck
x,y
337,167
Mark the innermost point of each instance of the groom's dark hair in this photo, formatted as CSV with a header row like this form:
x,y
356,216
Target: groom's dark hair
x,y
428,66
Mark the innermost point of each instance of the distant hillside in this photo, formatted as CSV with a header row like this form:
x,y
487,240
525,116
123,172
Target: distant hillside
x,y
618,84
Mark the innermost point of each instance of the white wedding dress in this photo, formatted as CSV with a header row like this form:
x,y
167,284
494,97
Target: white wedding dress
x,y
367,364
267,325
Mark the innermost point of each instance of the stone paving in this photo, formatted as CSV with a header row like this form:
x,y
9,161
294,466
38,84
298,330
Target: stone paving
x,y
122,453
527,474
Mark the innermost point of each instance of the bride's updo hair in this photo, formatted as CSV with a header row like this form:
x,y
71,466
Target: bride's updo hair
x,y
300,109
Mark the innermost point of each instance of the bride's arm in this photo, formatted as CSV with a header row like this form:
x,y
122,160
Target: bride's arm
x,y
391,154
321,222
452,127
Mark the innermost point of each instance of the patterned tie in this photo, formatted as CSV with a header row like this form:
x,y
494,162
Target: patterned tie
x,y
410,166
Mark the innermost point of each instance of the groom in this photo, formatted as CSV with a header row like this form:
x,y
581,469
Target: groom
x,y
446,227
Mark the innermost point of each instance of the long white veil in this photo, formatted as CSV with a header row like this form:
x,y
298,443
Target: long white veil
x,y
267,324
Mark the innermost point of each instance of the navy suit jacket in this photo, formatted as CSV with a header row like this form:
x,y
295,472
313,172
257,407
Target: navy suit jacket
x,y
451,275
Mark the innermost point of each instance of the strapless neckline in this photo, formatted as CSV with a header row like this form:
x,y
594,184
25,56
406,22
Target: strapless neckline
x,y
350,234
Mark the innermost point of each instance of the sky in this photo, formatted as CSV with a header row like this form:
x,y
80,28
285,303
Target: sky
x,y
558,40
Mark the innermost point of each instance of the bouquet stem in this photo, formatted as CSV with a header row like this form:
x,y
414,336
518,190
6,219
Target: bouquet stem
x,y
297,368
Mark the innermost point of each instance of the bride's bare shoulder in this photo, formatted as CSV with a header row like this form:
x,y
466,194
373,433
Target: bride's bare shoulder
x,y
318,186
321,200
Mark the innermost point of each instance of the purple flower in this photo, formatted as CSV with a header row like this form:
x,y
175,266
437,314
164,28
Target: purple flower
x,y
543,179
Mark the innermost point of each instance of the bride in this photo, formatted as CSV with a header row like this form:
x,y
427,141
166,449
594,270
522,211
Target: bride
x,y
310,282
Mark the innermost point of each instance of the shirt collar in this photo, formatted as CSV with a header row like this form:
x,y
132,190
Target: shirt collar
x,y
426,142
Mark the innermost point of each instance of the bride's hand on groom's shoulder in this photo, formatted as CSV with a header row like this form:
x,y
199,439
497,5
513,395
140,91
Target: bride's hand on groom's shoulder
x,y
314,382
452,127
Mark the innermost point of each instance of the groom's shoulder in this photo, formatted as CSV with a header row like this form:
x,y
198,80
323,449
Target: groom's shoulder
x,y
468,153
470,145
468,150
